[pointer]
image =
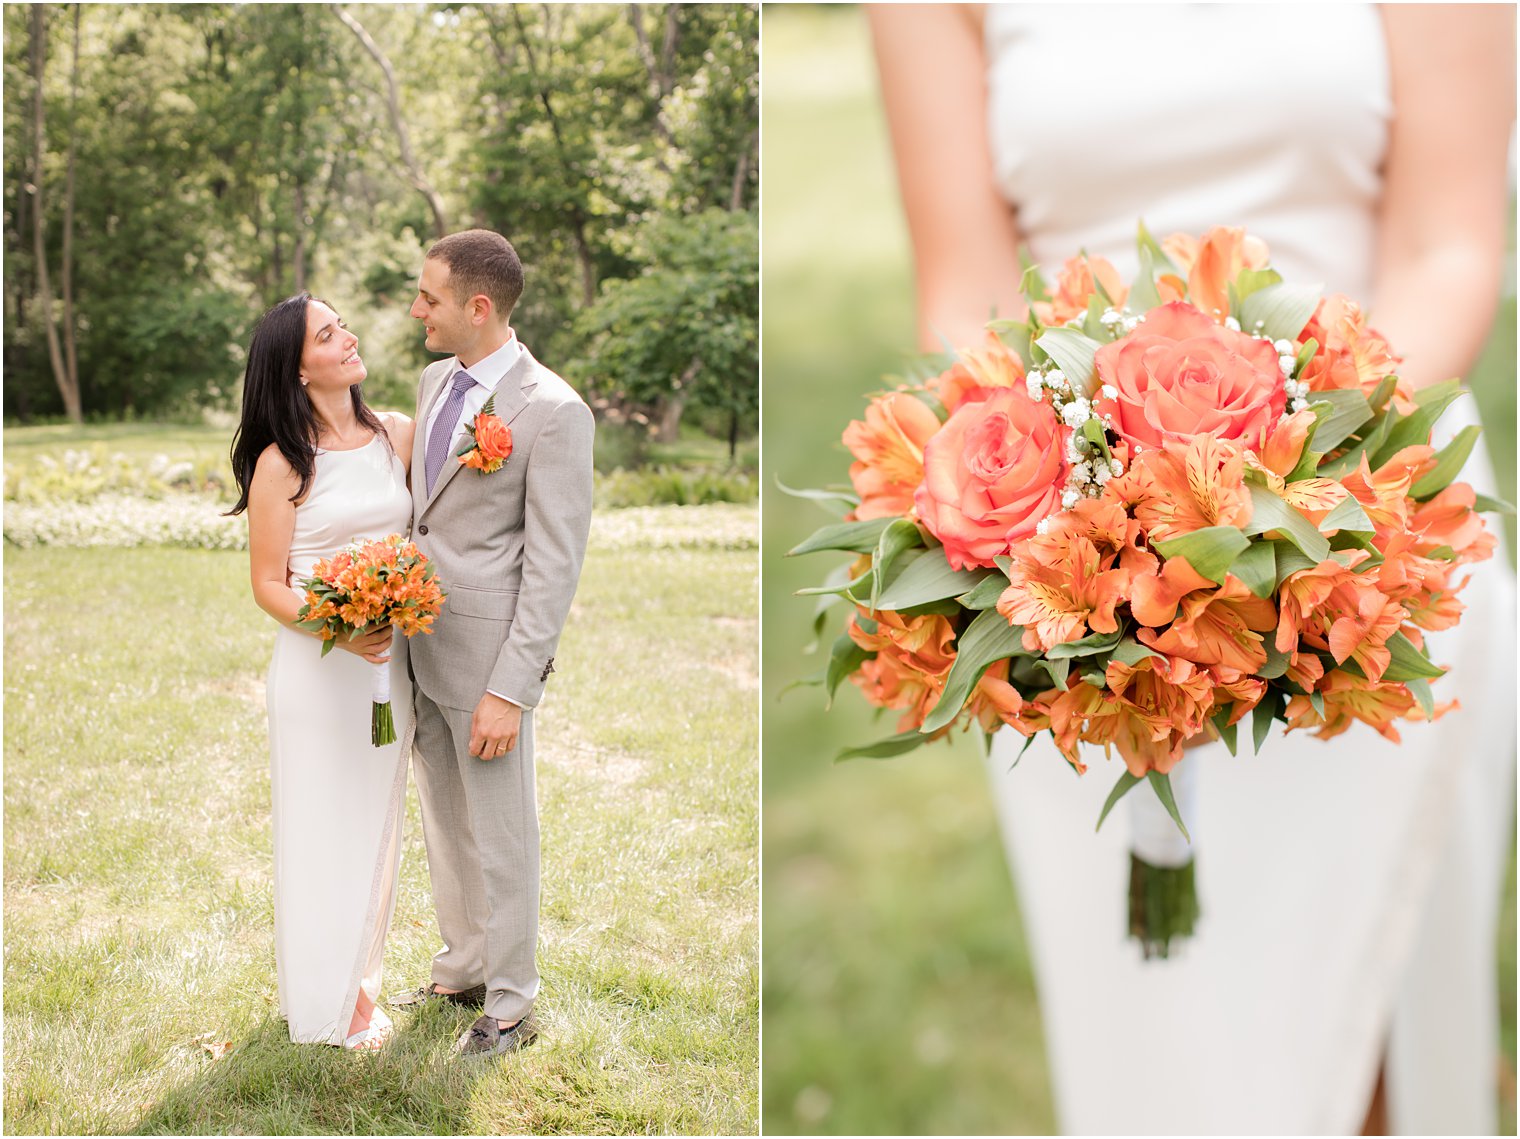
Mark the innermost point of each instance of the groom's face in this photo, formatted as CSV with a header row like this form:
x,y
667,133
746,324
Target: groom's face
x,y
444,319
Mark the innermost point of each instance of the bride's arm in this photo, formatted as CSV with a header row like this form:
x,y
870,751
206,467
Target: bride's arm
x,y
1445,194
399,429
965,244
271,526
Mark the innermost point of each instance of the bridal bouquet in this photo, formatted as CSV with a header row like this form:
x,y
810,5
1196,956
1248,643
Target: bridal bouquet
x,y
387,581
1146,513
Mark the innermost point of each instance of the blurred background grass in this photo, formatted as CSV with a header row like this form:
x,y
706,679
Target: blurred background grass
x,y
897,991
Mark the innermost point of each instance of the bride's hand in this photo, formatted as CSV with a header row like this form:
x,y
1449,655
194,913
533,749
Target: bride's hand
x,y
371,644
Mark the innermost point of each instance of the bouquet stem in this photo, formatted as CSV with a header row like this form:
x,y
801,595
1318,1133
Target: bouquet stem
x,y
382,727
1163,904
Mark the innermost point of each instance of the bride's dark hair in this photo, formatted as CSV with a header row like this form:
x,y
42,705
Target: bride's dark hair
x,y
275,405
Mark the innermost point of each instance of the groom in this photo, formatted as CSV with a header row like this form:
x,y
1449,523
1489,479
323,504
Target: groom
x,y
508,545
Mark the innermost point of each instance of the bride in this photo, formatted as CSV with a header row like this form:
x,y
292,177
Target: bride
x,y
1342,976
318,469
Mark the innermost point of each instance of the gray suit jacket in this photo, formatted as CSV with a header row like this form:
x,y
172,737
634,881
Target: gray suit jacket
x,y
508,546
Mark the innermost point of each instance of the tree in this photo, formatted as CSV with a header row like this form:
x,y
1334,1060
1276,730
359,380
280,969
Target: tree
x,y
684,331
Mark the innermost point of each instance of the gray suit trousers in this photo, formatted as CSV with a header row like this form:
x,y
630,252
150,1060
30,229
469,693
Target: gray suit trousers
x,y
480,821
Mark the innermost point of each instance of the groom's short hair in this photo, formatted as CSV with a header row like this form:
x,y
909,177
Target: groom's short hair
x,y
481,261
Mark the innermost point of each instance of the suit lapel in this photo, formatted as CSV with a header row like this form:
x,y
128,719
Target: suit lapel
x,y
511,398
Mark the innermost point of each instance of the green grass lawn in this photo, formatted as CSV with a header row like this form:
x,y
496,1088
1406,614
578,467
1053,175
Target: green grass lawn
x,y
898,996
138,910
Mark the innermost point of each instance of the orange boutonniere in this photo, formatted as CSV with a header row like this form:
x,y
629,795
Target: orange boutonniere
x,y
490,441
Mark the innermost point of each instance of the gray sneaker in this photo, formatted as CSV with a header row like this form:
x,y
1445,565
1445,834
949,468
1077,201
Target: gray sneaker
x,y
485,1038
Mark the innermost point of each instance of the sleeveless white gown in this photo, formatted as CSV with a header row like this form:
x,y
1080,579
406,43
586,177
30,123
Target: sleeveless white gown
x,y
1349,888
337,799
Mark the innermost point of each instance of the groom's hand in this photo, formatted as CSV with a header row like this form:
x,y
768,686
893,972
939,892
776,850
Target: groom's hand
x,y
494,727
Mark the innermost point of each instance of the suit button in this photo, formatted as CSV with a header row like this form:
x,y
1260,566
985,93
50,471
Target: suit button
x,y
422,529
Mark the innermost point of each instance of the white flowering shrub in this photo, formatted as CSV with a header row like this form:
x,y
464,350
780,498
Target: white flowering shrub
x,y
196,521
114,519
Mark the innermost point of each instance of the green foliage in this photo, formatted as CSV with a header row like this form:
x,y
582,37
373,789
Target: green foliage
x,y
685,328
228,155
673,486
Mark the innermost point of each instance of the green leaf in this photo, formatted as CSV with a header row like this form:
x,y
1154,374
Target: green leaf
x,y
1270,512
1148,244
1073,353
327,647
1092,431
1090,645
897,539
1408,662
883,749
1162,785
1488,502
986,593
1209,551
1015,334
1416,428
1131,652
843,586
930,578
1092,319
1254,280
1121,789
844,659
1317,702
1282,310
1031,284
1349,410
1225,729
1290,560
1256,567
859,537
989,638
1277,662
1261,721
847,497
1449,461
1143,295
1383,392
1305,354
1057,668
1419,688
1346,515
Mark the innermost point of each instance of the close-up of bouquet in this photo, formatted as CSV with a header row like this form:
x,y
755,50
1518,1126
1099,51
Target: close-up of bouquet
x,y
387,581
1145,513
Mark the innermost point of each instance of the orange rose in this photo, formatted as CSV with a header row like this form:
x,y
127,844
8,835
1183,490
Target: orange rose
x,y
1179,374
889,451
493,443
991,473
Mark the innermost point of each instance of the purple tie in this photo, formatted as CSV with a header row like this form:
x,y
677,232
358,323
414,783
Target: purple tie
x,y
443,427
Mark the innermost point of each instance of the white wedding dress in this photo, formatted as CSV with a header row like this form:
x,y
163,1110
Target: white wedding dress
x,y
337,799
1349,888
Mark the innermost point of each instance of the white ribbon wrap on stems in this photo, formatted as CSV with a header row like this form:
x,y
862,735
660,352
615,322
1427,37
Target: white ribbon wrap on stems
x,y
1153,834
380,683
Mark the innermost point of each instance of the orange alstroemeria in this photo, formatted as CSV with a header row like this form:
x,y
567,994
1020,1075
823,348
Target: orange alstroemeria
x,y
1157,705
1354,622
1186,486
978,371
1221,629
1223,254
913,659
1448,519
1059,591
1348,698
1350,354
889,451
1075,285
